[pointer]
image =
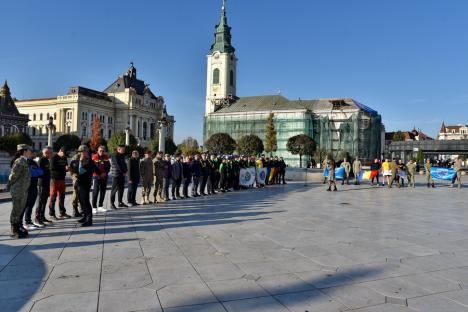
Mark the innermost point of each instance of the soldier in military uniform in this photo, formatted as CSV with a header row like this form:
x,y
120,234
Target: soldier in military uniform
x,y
357,167
347,167
411,173
457,166
147,177
428,167
75,199
18,183
159,165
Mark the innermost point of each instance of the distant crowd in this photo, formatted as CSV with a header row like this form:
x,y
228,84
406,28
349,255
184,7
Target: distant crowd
x,y
393,171
39,181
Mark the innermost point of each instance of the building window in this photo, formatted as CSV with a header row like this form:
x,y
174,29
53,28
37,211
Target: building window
x,y
40,116
40,130
83,132
109,134
69,115
145,130
152,131
55,116
48,116
40,145
216,76
231,78
34,116
138,129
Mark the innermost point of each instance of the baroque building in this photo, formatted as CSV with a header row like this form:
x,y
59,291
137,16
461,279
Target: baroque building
x,y
341,124
128,102
458,132
11,120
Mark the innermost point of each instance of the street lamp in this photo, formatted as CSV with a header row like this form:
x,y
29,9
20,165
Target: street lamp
x,y
51,127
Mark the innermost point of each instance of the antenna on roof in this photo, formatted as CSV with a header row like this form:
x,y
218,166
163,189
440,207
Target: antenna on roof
x,y
224,5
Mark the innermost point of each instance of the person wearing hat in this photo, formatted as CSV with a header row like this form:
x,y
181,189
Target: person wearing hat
x,y
119,171
147,176
58,168
84,167
18,183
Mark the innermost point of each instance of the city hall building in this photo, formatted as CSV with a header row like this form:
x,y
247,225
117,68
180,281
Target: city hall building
x,y
336,125
126,102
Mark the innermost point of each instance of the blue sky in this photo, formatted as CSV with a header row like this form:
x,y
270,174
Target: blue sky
x,y
406,59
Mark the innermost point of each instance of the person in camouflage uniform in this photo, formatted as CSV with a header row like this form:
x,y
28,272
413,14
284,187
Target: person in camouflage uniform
x,y
75,199
18,183
347,167
428,167
411,173
159,165
457,166
357,167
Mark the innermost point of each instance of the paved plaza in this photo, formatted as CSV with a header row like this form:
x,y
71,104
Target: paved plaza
x,y
281,248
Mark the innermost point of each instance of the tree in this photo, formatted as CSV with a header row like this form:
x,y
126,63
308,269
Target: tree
x,y
10,141
301,144
320,155
170,146
398,136
119,139
69,141
271,144
420,157
189,146
250,145
221,143
96,138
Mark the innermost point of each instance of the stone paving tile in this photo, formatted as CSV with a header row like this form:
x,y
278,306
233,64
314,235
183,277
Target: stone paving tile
x,y
236,289
311,301
386,308
141,299
210,307
219,272
23,288
283,284
81,302
459,296
16,305
263,304
324,279
355,296
436,303
457,275
125,275
185,295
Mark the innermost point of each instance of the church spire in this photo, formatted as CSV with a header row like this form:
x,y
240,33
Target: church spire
x,y
223,34
5,91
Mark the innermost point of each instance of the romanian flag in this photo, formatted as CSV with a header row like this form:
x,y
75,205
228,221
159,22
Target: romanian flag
x,y
368,174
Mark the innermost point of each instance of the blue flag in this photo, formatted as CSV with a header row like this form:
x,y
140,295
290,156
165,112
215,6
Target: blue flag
x,y
443,173
339,173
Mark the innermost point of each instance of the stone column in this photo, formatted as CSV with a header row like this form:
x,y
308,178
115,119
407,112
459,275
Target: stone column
x,y
162,138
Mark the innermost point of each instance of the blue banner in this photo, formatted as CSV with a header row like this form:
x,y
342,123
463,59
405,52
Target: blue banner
x,y
339,173
442,173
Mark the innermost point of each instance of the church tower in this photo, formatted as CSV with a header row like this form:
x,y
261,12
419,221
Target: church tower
x,y
221,67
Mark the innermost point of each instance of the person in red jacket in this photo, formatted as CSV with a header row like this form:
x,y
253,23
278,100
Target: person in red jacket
x,y
102,162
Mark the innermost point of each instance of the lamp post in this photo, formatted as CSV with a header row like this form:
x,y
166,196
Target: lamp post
x,y
163,123
51,127
127,136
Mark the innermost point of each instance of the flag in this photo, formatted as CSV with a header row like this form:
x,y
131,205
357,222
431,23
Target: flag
x,y
447,174
247,176
339,173
365,175
261,175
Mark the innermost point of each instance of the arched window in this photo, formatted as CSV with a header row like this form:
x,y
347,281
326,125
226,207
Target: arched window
x,y
231,78
34,117
84,132
40,116
110,133
216,76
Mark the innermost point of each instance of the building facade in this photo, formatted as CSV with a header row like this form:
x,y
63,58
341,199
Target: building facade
x,y
126,103
11,120
458,132
335,124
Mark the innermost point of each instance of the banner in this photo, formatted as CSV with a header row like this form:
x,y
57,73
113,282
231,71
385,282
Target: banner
x,y
261,175
442,173
339,173
247,176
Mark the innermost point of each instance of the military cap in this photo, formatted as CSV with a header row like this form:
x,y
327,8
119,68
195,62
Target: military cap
x,y
20,147
82,148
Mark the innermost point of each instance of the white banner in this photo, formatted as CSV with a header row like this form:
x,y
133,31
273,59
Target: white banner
x,y
247,176
262,175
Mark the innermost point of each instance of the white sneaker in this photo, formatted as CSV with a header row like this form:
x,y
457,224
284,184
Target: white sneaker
x,y
30,227
101,209
95,211
38,225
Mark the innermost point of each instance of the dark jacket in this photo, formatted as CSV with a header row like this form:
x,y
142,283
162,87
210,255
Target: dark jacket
x,y
85,175
57,167
205,167
375,166
195,168
134,170
187,173
118,165
177,170
167,172
44,164
35,171
102,162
